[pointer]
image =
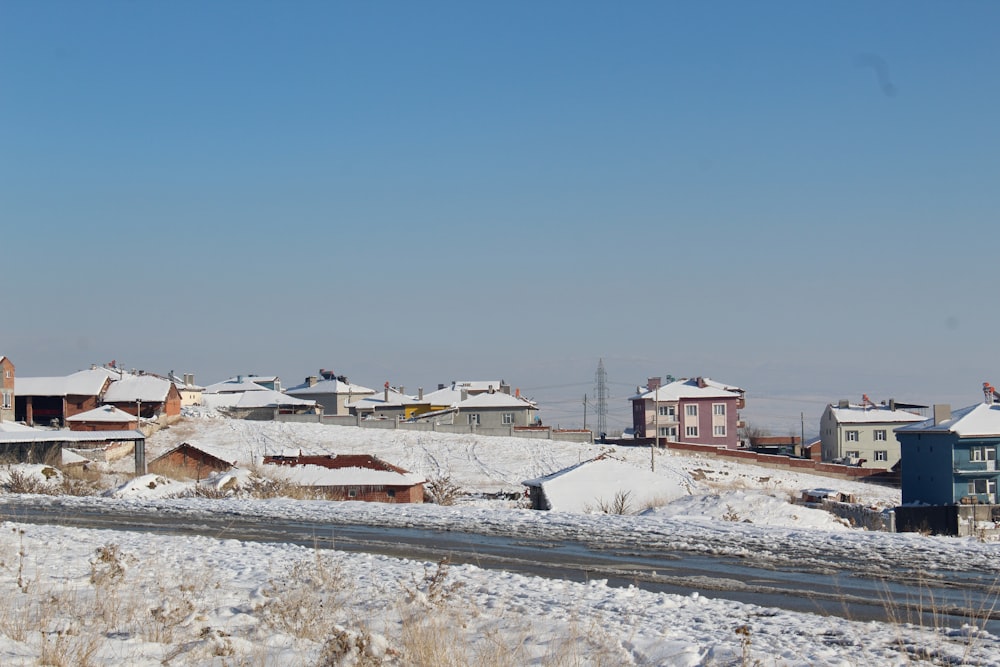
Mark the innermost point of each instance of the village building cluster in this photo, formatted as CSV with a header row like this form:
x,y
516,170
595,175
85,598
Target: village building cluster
x,y
941,458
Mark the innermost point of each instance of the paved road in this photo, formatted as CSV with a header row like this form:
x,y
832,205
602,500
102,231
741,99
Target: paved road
x,y
846,592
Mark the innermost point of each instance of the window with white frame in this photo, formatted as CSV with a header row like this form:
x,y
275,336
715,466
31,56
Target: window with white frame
x,y
719,409
668,431
881,455
880,435
664,410
854,455
6,401
691,410
691,431
851,436
507,419
982,486
719,431
474,418
983,454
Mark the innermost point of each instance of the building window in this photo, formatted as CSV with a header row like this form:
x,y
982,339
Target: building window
x,y
881,454
6,401
983,454
391,493
667,411
851,436
854,455
352,493
719,431
691,431
880,436
691,410
983,486
719,409
474,418
508,418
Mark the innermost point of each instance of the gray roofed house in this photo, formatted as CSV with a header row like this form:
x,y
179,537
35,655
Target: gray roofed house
x,y
334,392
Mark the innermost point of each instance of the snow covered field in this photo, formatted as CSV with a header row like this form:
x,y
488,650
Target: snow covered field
x,y
76,596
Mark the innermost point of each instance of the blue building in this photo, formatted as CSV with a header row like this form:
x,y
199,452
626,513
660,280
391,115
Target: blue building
x,y
952,458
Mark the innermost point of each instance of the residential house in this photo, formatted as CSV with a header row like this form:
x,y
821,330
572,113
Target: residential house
x,y
487,404
104,418
952,457
390,404
266,404
696,410
49,401
6,389
863,433
334,392
187,461
349,477
145,395
496,409
189,391
229,392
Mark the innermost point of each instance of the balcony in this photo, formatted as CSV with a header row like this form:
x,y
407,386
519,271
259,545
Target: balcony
x,y
975,467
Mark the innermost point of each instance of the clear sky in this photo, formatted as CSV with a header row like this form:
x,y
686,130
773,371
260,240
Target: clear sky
x,y
796,197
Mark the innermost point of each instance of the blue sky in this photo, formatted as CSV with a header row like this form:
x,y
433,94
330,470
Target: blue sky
x,y
798,198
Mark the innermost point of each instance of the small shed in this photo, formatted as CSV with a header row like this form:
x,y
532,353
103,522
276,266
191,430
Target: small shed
x,y
350,477
187,461
104,418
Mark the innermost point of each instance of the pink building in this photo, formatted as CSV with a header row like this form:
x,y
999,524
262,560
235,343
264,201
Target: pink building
x,y
698,410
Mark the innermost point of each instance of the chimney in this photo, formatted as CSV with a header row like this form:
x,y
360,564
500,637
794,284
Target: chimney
x,y
491,389
239,379
653,384
465,394
504,387
401,389
312,380
420,393
517,393
844,403
385,392
701,383
892,404
942,413
440,386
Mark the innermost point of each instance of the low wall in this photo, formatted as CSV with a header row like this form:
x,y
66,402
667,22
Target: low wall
x,y
536,432
778,462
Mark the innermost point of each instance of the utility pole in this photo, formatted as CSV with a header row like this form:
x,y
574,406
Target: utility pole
x,y
584,412
656,430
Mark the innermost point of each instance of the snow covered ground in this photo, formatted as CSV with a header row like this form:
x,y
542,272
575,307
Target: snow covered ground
x,y
76,596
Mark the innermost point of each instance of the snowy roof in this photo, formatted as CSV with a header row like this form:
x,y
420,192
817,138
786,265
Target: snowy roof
x,y
14,427
587,485
859,414
82,383
497,399
979,420
333,386
268,398
105,413
681,389
314,475
452,393
62,435
236,385
132,388
378,401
